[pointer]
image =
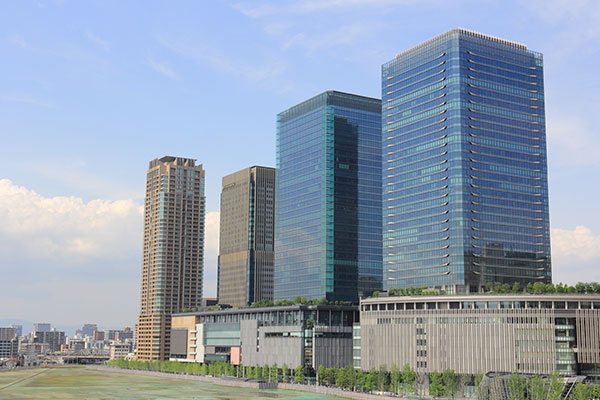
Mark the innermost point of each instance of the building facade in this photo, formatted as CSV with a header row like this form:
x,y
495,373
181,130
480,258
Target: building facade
x,y
41,327
328,198
297,335
534,334
465,194
54,339
246,240
9,342
173,254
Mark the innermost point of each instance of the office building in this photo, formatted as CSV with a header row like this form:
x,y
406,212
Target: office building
x,y
533,334
297,335
18,329
173,253
54,339
41,327
87,330
328,198
9,342
464,165
245,270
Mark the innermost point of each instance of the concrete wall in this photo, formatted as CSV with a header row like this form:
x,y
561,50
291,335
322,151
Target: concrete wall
x,y
332,352
258,349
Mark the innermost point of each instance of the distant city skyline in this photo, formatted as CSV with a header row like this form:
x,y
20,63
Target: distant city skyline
x,y
88,97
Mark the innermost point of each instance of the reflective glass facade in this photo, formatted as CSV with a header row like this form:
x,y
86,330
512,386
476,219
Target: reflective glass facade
x,y
328,198
465,194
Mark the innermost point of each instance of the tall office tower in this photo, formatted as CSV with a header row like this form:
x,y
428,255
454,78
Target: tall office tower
x,y
173,257
328,198
247,234
464,165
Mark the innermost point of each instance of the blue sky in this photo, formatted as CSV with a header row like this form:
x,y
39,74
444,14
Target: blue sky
x,y
90,91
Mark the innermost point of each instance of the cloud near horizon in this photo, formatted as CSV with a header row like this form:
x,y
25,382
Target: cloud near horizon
x,y
62,253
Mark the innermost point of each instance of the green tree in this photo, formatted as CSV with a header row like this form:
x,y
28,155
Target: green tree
x,y
265,372
274,377
556,387
436,388
248,371
596,391
257,372
408,379
450,380
204,370
321,375
299,374
394,379
372,379
516,387
516,288
361,380
342,380
536,388
382,379
581,391
285,372
330,376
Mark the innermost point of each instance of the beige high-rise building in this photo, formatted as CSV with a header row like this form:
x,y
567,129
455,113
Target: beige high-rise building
x,y
173,258
246,236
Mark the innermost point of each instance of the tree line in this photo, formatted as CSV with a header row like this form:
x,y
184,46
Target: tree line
x,y
505,288
404,381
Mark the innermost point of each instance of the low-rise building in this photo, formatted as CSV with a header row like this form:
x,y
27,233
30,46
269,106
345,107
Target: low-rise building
x,y
297,335
120,350
535,334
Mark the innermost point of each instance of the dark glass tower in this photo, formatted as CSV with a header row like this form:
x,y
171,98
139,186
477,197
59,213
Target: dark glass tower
x,y
328,198
465,193
245,268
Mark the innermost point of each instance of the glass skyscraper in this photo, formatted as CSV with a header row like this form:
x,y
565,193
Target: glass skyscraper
x,y
465,193
328,198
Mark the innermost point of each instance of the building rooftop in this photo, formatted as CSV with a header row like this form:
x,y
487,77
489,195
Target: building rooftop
x,y
467,33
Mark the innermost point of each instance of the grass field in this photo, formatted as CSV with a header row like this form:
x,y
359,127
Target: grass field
x,y
81,383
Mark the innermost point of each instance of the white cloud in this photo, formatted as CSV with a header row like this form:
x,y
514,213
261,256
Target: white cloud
x,y
162,68
66,230
575,255
580,243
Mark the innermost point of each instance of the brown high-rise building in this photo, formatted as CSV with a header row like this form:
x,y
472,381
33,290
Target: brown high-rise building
x,y
246,236
173,256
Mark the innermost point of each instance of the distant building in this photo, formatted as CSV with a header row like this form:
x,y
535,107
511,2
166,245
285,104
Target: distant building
x,y
120,350
34,348
173,253
7,333
41,327
328,198
55,339
9,342
125,334
534,334
298,335
98,335
245,269
76,345
18,329
87,330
